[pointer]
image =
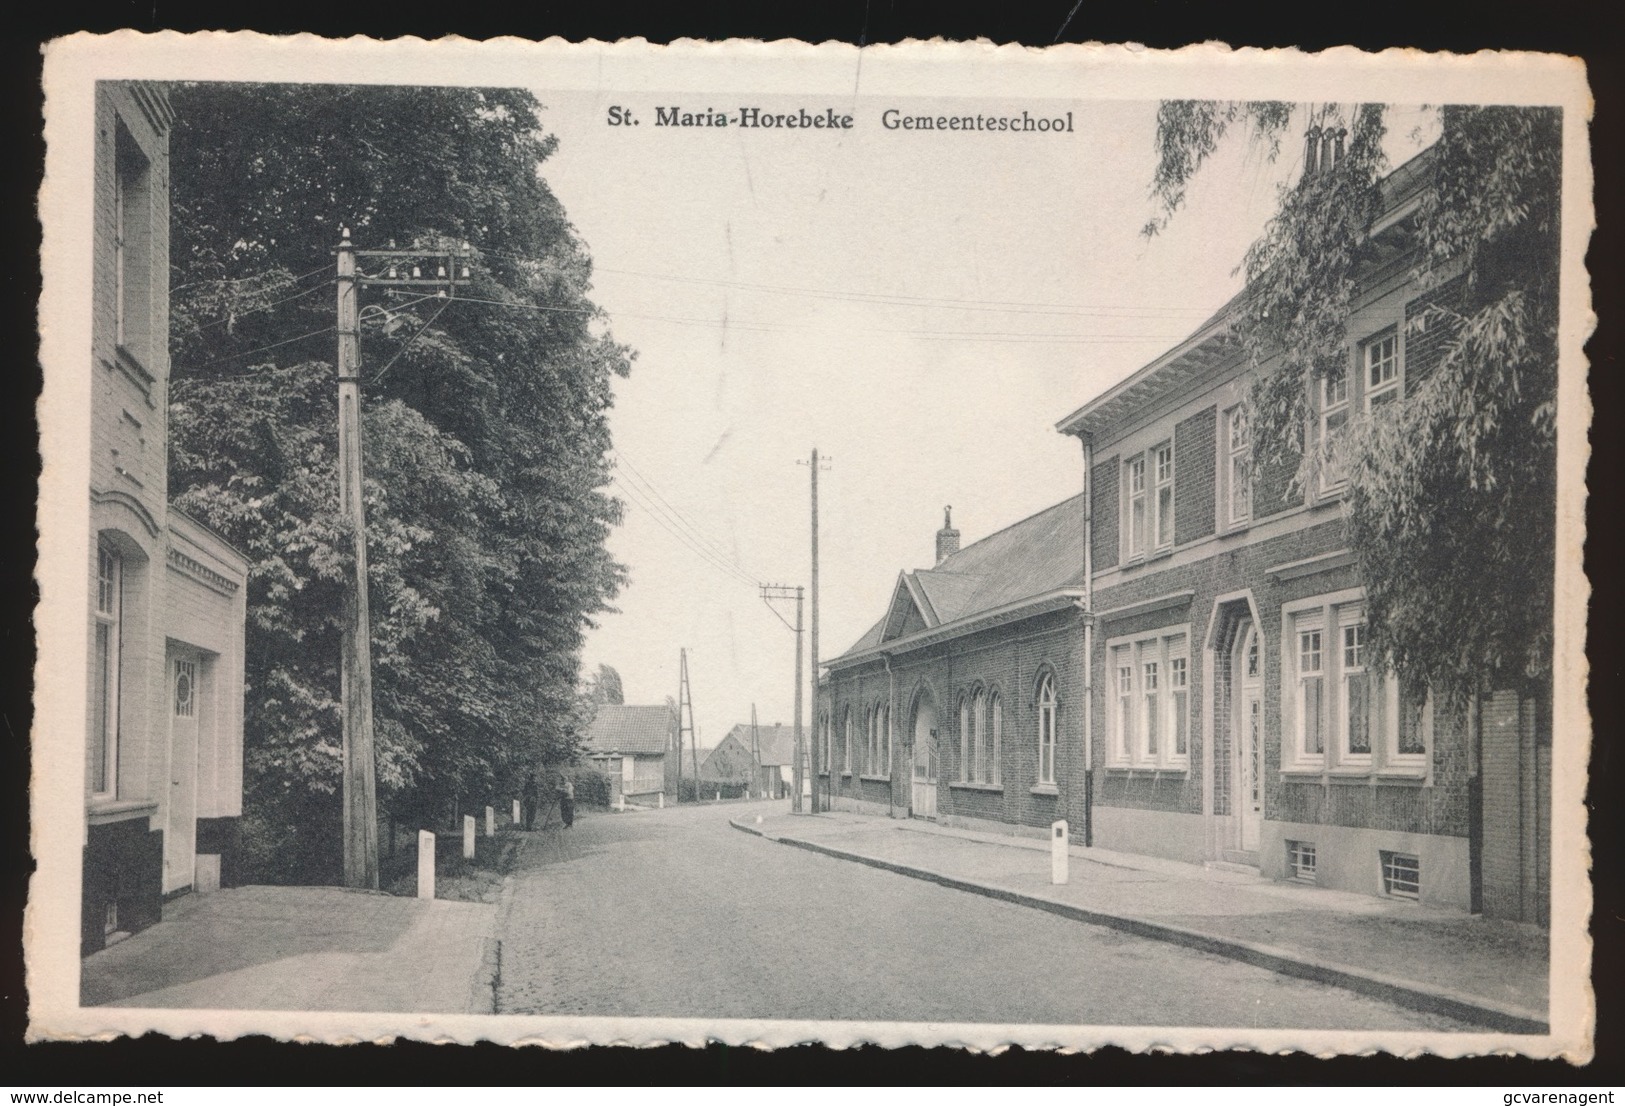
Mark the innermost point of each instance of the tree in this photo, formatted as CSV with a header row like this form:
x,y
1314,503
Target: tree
x,y
606,686
484,434
1451,507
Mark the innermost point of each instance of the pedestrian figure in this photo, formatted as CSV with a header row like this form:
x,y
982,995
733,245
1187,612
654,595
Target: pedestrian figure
x,y
567,802
529,799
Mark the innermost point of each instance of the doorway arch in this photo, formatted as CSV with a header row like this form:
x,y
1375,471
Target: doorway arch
x,y
924,759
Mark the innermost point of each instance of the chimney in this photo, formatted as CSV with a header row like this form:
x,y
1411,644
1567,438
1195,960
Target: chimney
x,y
947,537
1311,152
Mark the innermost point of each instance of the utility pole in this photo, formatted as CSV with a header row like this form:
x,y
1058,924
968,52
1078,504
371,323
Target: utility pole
x,y
359,780
755,751
797,769
818,750
685,704
355,677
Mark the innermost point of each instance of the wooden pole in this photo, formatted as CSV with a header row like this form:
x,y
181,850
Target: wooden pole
x,y
360,788
798,772
818,750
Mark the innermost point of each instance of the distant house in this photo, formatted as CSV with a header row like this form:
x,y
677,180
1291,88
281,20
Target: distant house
x,y
165,596
761,765
629,745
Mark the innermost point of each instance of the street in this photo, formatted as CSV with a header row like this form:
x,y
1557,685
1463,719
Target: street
x,y
674,913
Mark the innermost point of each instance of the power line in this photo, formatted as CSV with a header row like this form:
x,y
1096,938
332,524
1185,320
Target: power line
x,y
677,515
653,512
262,349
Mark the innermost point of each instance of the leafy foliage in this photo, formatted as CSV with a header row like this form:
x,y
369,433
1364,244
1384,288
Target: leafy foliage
x,y
484,438
1451,502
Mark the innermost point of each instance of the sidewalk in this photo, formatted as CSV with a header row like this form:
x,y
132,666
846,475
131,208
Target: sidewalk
x,y
1463,965
303,948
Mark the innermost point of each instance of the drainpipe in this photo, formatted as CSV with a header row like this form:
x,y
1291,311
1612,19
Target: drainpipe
x,y
891,753
1088,640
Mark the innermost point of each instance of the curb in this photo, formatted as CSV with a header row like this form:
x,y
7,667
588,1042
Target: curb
x,y
1400,992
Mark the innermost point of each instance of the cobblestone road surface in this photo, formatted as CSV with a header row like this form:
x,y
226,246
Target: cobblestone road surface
x,y
674,913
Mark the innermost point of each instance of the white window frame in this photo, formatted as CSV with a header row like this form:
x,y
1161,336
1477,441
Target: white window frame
x,y
109,614
885,741
1046,730
1238,467
1382,353
1334,616
1335,392
1144,699
995,729
1136,514
1161,464
845,744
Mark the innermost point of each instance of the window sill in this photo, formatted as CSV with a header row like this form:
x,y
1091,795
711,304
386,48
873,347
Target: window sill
x,y
1148,769
966,785
1044,789
874,778
1303,773
103,811
1140,560
846,773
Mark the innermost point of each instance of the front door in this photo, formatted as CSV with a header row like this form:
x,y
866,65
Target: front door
x,y
180,832
924,794
1250,746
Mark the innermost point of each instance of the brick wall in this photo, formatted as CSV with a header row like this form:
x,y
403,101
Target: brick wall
x,y
1194,476
1005,661
1106,508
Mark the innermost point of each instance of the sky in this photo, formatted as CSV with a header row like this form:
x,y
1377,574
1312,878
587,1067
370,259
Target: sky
x,y
920,307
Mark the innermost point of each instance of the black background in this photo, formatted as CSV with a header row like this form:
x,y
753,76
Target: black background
x,y
1581,29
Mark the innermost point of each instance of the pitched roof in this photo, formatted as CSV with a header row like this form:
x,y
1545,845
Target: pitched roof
x,y
617,728
1036,556
777,741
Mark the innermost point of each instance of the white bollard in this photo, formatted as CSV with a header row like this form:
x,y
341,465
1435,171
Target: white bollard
x,y
1058,854
468,837
620,802
719,796
490,822
660,800
425,864
516,815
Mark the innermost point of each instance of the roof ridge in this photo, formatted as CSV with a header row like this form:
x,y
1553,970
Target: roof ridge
x,y
996,533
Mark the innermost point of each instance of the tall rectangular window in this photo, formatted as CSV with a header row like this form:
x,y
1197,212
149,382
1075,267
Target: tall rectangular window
x,y
978,714
1239,465
1380,359
131,246
1179,704
1334,424
1150,709
1136,506
1311,688
1355,708
1125,702
104,708
1163,472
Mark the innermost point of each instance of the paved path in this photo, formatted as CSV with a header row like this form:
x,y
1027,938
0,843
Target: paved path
x,y
673,913
301,948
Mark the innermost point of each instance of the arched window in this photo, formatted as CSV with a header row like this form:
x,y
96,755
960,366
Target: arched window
x,y
964,738
1046,730
978,721
885,740
846,746
996,725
